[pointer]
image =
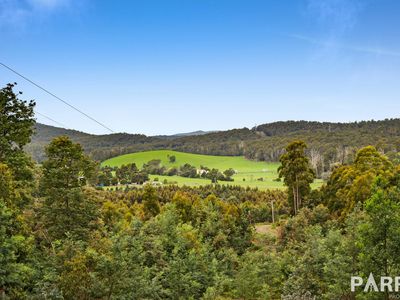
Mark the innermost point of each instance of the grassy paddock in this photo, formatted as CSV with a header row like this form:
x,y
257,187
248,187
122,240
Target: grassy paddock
x,y
248,172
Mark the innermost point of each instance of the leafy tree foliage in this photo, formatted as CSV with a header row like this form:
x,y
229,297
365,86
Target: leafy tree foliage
x,y
151,205
351,184
188,170
229,172
16,182
381,233
297,173
65,210
16,123
16,272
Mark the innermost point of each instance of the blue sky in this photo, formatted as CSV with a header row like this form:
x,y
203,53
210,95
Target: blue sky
x,y
168,66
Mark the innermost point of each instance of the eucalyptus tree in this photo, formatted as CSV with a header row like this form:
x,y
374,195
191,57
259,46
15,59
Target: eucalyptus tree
x,y
296,172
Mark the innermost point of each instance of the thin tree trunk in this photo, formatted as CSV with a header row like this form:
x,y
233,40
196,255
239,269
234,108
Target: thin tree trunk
x,y
297,195
386,263
273,213
110,290
294,201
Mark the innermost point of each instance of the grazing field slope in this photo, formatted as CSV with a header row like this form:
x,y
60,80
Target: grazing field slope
x,y
328,143
238,163
249,173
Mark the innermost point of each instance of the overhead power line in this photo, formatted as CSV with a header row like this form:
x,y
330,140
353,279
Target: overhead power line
x,y
50,119
58,98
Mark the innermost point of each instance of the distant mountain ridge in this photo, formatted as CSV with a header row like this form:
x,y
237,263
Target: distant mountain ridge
x,y
176,135
328,142
198,132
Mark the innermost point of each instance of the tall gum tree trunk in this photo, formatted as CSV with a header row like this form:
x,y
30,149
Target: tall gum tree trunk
x,y
294,201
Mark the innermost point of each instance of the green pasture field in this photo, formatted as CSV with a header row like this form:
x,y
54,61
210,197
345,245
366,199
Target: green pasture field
x,y
248,172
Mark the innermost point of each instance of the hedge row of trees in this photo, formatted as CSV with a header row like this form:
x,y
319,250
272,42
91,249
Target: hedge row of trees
x,y
187,170
130,173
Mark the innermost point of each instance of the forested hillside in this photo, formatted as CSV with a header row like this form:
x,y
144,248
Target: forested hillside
x,y
329,143
98,146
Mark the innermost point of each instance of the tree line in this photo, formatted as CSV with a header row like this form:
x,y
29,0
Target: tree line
x,y
329,144
130,174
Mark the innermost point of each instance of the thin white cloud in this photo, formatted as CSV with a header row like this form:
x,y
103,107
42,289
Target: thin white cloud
x,y
17,13
47,4
334,19
332,44
337,16
11,11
